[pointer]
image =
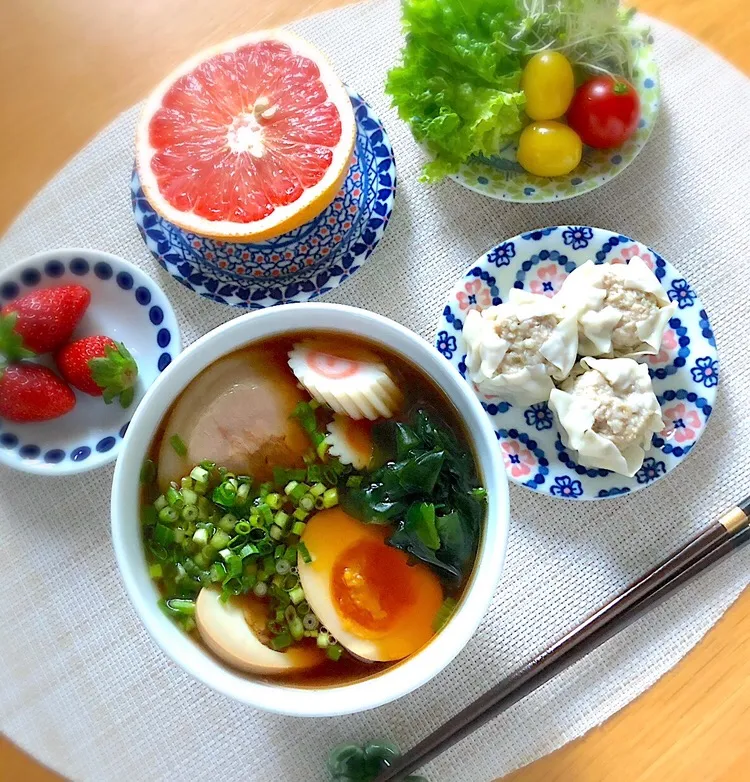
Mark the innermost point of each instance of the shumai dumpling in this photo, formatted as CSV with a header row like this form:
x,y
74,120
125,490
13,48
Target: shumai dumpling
x,y
608,413
622,309
515,349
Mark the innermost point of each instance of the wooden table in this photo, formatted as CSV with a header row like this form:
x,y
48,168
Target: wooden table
x,y
70,66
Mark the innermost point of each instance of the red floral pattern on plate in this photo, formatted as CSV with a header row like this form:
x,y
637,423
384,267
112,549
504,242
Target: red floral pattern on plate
x,y
518,460
683,423
630,252
474,296
548,281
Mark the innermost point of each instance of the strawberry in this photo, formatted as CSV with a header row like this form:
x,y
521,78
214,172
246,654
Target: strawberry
x,y
42,321
99,366
32,393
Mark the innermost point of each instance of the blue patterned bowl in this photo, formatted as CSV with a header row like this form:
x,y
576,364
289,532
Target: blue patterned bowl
x,y
299,265
126,305
685,372
502,177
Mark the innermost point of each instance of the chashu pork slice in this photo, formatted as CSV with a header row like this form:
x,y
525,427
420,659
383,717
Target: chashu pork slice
x,y
237,414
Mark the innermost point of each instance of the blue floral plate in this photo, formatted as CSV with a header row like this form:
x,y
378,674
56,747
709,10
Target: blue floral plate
x,y
126,305
301,264
685,372
502,177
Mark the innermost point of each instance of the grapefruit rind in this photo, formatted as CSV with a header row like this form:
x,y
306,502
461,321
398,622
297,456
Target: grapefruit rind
x,y
284,218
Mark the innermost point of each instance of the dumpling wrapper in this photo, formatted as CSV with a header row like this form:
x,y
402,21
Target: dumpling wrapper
x,y
577,413
486,349
583,294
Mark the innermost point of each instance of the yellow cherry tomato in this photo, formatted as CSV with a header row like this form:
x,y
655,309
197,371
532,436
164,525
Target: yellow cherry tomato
x,y
547,80
549,149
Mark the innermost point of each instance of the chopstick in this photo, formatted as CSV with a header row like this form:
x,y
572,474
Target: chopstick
x,y
720,538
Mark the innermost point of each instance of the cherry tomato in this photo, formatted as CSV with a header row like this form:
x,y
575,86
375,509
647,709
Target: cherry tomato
x,y
548,83
549,149
605,112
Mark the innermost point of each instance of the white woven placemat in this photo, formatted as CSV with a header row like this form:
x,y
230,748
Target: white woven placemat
x,y
85,690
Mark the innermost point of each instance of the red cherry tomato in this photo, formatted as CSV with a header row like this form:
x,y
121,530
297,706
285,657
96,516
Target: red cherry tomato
x,y
604,112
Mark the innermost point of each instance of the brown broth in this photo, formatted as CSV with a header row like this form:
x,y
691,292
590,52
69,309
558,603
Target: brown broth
x,y
419,390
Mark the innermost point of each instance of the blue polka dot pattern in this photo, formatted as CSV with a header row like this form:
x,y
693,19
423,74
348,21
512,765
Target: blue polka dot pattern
x,y
81,454
103,270
125,280
124,430
106,444
164,361
55,456
156,316
143,296
30,277
29,451
54,269
163,338
9,291
79,266
8,440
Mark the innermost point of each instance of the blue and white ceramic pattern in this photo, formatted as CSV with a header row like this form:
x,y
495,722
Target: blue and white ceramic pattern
x,y
502,177
685,372
301,264
126,305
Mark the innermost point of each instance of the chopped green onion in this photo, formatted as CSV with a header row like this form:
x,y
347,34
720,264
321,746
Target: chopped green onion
x,y
179,445
290,487
314,474
148,472
281,520
310,621
188,624
160,502
281,641
283,566
300,514
189,497
334,652
479,493
298,527
155,570
322,448
187,483
225,494
218,572
266,514
208,465
304,553
291,554
220,540
243,528
190,513
234,565
199,474
353,481
243,492
168,515
274,501
298,492
296,628
297,595
248,550
174,498
181,606
303,608
331,498
201,536
317,489
276,532
323,640
260,589
228,522
307,503
200,487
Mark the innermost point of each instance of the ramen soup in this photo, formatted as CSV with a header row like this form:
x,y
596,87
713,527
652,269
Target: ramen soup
x,y
311,509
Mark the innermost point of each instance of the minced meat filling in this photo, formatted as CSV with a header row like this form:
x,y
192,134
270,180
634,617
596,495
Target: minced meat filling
x,y
525,337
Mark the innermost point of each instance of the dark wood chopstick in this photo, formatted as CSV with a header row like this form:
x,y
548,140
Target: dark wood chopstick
x,y
705,549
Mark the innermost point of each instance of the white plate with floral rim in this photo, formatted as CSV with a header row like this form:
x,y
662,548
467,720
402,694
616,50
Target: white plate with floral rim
x,y
502,177
685,372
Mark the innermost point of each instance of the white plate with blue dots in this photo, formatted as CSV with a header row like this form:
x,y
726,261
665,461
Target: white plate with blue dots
x,y
126,305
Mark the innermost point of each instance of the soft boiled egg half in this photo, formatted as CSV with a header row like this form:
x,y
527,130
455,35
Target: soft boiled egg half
x,y
366,594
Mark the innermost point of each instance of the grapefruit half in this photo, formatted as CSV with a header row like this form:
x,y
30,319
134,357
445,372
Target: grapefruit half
x,y
246,140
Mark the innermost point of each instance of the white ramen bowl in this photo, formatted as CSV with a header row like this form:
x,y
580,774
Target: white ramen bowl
x,y
322,701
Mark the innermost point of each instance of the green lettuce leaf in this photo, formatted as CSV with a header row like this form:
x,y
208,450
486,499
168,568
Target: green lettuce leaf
x,y
458,85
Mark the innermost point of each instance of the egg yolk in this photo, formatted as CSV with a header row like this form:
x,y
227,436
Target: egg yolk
x,y
372,586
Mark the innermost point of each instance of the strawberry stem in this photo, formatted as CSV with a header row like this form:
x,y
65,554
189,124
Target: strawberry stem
x,y
116,374
11,343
